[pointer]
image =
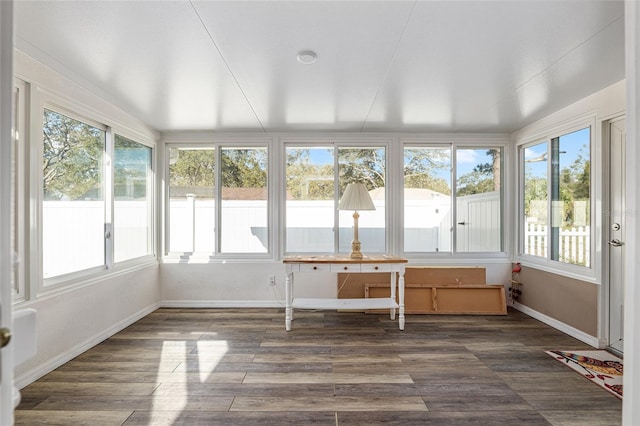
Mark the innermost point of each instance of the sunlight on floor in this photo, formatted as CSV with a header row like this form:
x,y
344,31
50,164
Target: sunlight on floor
x,y
172,352
210,353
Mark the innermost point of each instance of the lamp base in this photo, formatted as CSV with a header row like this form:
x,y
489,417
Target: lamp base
x,y
355,250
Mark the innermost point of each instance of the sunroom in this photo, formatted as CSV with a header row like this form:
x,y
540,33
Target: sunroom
x,y
172,154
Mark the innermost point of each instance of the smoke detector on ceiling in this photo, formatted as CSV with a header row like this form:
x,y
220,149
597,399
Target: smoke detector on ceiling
x,y
307,57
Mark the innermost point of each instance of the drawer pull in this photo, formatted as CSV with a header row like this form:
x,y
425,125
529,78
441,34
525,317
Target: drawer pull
x,y
315,267
376,268
346,267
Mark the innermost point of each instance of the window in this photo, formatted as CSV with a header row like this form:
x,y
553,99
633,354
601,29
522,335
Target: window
x,y
80,190
244,200
431,224
316,177
478,199
310,200
132,199
365,165
73,211
192,200
197,203
18,191
427,199
556,198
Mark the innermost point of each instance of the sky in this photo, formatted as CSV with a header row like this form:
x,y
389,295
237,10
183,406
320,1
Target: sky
x,y
570,146
467,159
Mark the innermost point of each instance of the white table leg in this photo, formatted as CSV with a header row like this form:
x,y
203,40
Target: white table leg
x,y
401,299
392,311
288,293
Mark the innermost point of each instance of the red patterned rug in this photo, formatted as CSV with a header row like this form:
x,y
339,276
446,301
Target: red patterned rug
x,y
600,367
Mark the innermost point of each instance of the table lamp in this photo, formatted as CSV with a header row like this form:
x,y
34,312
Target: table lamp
x,y
356,197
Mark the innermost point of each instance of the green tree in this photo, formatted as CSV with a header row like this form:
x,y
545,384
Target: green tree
x,y
131,163
422,166
244,168
72,158
193,167
581,176
575,185
363,165
484,177
308,181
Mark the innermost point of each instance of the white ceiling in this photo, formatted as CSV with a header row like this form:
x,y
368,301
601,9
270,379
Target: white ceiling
x,y
450,66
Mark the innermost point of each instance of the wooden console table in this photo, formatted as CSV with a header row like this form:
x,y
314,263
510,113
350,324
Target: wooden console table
x,y
345,264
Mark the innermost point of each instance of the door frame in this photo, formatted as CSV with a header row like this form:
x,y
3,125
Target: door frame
x,y
605,290
6,124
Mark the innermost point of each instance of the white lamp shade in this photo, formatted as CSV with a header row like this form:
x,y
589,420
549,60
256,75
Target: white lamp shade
x,y
356,197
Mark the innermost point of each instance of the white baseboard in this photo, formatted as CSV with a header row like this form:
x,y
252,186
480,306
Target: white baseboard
x,y
222,304
35,373
559,325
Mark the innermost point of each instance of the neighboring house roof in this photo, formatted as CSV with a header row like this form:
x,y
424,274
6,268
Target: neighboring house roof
x,y
409,194
261,193
227,193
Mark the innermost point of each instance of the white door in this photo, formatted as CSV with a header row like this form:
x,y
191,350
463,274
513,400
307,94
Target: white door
x,y
616,231
6,124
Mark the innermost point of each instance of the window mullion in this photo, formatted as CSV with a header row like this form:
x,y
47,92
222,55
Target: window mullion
x,y
554,209
336,199
453,235
218,203
108,199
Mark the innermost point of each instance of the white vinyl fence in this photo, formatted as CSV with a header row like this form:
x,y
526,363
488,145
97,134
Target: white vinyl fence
x,y
73,234
574,243
73,231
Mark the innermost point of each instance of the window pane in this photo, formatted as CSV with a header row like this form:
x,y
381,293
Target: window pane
x,y
191,200
132,199
535,199
244,200
310,200
16,192
73,212
427,199
570,198
478,200
363,165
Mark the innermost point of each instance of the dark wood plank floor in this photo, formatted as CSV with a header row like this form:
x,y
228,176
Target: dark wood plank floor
x,y
232,366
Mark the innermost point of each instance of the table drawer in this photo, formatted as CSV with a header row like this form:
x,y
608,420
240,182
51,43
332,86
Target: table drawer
x,y
345,268
305,267
376,267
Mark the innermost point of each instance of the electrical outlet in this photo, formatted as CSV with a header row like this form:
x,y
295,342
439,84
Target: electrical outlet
x,y
272,280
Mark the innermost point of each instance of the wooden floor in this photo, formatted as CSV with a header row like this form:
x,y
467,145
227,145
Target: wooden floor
x,y
240,367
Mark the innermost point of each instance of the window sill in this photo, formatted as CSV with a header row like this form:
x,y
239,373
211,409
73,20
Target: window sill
x,y
200,258
72,282
565,270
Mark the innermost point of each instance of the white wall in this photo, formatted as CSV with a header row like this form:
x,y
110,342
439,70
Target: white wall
x,y
73,321
76,315
240,284
245,284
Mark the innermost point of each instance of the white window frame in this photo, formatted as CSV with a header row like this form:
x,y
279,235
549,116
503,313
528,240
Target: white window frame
x,y
151,195
217,145
445,141
21,198
337,143
39,100
57,280
546,135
